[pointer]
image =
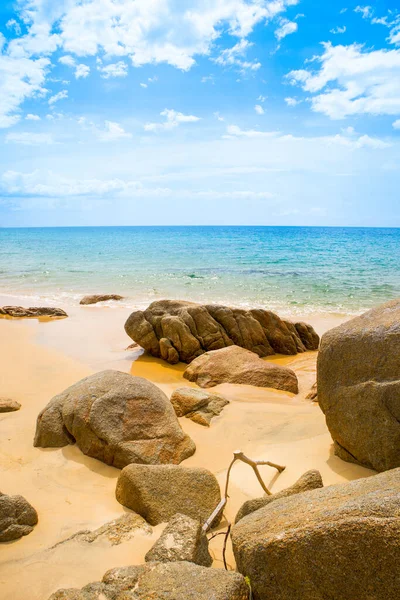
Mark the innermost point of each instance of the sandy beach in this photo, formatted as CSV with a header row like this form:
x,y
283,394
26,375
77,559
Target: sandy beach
x,y
73,492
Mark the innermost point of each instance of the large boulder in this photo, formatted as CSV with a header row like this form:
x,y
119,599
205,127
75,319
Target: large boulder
x,y
359,387
183,539
158,492
236,365
180,331
95,298
17,517
32,312
311,480
197,405
116,418
340,542
158,581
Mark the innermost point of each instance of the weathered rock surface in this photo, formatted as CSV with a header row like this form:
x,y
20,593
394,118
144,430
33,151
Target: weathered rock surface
x,y
340,542
8,405
93,299
313,393
197,405
181,331
158,492
41,311
237,365
17,517
311,480
116,418
158,581
182,540
359,387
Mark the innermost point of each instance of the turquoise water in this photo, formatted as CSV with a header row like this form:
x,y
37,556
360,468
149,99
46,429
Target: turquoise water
x,y
291,269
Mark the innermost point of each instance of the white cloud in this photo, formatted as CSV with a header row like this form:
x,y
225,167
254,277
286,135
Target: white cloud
x,y
366,11
218,116
31,117
286,28
262,98
352,81
172,120
143,85
111,132
67,60
292,101
13,24
259,109
234,57
57,97
82,71
118,69
338,30
235,131
27,138
396,124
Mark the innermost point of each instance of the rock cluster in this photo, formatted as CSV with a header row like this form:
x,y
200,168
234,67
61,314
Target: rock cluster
x,y
116,418
8,405
237,365
340,542
95,298
197,405
181,331
41,311
359,387
17,517
158,492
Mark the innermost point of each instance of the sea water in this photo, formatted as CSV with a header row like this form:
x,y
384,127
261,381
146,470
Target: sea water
x,y
287,269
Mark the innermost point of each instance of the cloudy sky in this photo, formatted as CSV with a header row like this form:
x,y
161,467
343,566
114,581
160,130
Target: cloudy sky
x,y
148,112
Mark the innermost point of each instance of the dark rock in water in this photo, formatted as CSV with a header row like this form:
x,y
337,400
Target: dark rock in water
x,y
116,418
311,480
181,331
359,387
197,405
159,492
17,517
313,393
162,581
7,405
33,312
340,542
237,365
100,298
182,540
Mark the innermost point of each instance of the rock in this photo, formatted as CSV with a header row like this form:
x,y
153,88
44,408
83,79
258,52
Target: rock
x,y
359,387
42,311
7,405
116,418
340,542
236,365
158,581
158,492
182,331
309,481
197,405
100,298
17,517
182,540
313,393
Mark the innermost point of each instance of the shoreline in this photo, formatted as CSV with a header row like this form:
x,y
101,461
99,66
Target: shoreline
x,y
41,359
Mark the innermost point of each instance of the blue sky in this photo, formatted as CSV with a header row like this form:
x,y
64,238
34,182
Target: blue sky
x,y
146,112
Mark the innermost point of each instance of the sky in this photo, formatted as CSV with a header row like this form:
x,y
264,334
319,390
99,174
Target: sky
x,y
199,112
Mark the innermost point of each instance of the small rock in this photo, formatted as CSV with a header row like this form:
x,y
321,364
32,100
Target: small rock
x,y
197,405
158,492
17,517
33,312
313,393
7,405
100,298
182,539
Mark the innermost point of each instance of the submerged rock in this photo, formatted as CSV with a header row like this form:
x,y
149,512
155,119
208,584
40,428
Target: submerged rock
x,y
181,331
100,298
17,517
359,387
8,405
158,492
116,418
182,539
197,405
309,481
41,311
340,542
236,365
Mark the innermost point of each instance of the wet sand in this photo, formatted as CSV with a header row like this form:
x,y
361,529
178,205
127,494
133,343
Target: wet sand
x,y
72,492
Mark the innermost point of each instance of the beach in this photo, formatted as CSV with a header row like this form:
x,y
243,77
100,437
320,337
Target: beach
x,y
73,492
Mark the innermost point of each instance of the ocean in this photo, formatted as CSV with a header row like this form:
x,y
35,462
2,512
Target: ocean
x,y
286,269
